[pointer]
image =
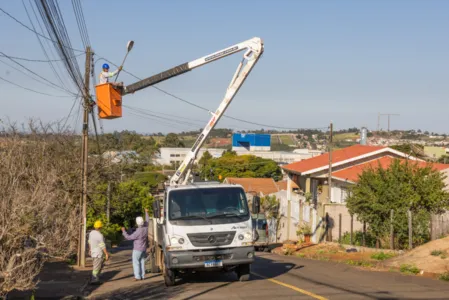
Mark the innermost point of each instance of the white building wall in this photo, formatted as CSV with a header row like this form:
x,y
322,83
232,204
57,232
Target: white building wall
x,y
177,155
339,192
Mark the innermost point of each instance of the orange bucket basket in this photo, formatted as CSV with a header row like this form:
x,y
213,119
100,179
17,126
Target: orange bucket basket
x,y
109,101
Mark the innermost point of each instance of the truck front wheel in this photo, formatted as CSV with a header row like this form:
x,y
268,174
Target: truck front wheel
x,y
169,275
243,272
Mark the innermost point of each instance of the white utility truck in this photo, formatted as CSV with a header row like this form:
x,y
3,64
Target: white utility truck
x,y
200,226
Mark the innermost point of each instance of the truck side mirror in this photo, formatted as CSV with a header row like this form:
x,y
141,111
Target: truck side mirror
x,y
256,204
157,208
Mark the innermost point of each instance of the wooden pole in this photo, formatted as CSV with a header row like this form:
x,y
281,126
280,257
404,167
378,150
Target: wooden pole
x,y
108,205
82,242
352,229
339,228
410,230
329,179
391,229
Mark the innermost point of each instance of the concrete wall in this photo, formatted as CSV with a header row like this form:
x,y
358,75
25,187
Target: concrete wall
x,y
333,211
169,155
282,234
440,225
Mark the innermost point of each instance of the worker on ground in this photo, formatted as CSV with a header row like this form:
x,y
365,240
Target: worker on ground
x,y
97,250
105,75
140,238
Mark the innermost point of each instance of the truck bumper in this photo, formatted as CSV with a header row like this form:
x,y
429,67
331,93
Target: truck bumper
x,y
196,259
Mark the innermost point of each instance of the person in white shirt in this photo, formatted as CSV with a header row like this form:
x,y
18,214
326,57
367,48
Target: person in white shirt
x,y
105,75
97,250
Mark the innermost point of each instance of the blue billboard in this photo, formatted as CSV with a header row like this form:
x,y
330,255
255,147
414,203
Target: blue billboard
x,y
251,141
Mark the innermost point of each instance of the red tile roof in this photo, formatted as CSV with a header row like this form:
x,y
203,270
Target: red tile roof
x,y
337,156
258,185
352,173
282,185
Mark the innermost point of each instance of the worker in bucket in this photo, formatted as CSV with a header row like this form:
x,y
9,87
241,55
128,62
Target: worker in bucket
x,y
105,75
140,238
97,250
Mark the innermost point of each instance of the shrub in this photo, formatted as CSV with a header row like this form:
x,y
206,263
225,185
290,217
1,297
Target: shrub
x,y
444,276
436,252
409,269
382,256
357,238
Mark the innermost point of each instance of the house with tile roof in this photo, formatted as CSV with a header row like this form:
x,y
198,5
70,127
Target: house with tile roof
x,y
311,175
259,186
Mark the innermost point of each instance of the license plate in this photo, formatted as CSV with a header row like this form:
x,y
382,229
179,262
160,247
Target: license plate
x,y
213,263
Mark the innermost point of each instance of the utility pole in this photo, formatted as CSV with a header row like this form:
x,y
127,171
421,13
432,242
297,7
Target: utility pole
x,y
378,122
389,115
108,205
84,156
329,180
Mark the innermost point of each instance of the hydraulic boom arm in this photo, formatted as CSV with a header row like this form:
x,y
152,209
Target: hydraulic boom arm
x,y
254,49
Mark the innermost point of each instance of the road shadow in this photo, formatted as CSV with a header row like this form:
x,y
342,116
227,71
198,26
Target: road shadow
x,y
297,272
57,280
146,290
276,268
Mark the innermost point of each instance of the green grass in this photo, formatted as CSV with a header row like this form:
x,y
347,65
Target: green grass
x,y
302,255
359,263
409,269
286,139
382,256
344,136
444,276
436,252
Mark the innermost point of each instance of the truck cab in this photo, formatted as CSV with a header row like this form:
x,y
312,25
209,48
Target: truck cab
x,y
203,227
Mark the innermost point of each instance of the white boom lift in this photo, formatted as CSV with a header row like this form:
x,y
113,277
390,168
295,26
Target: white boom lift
x,y
202,225
254,49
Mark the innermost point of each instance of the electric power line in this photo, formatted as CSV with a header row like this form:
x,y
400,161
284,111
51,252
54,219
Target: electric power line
x,y
34,73
25,88
30,29
36,60
79,15
208,110
52,18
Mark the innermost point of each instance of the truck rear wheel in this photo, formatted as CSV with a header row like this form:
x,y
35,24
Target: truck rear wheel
x,y
243,272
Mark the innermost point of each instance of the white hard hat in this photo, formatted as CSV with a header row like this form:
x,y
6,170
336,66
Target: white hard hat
x,y
139,221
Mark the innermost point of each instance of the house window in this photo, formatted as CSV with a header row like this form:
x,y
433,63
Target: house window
x,y
344,194
172,155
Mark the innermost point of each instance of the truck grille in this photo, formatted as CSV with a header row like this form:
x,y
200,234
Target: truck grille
x,y
211,239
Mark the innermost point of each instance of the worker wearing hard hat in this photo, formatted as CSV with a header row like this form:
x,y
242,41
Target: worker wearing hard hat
x,y
140,238
105,75
97,250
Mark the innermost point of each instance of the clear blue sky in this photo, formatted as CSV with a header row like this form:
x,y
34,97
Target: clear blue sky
x,y
340,61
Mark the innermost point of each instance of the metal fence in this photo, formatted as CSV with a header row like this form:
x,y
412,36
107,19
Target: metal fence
x,y
343,228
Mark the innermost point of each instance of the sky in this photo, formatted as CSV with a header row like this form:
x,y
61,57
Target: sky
x,y
324,61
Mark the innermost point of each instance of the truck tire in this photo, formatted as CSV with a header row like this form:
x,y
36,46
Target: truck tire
x,y
243,272
169,275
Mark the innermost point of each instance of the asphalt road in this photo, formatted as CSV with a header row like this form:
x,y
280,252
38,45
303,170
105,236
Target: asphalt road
x,y
273,277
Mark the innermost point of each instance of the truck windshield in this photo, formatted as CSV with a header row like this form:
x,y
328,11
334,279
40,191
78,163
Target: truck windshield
x,y
207,203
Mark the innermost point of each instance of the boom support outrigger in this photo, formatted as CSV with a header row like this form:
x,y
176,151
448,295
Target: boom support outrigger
x,y
254,49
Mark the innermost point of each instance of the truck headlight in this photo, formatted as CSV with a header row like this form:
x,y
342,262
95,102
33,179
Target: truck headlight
x,y
248,235
175,240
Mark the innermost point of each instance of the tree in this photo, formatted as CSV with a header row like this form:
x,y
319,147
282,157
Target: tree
x,y
231,165
403,186
39,201
172,140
